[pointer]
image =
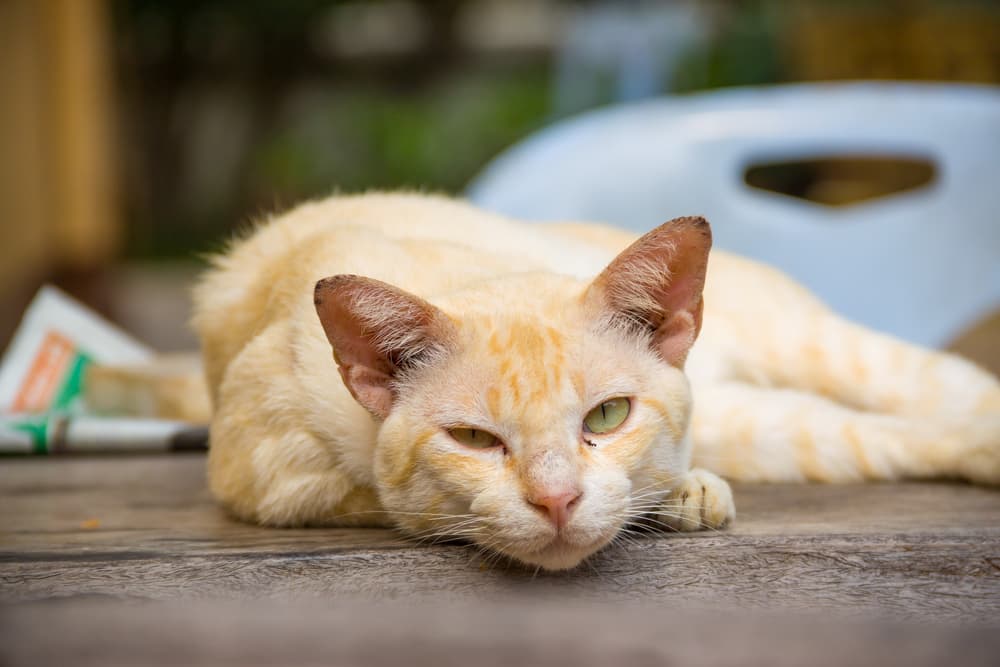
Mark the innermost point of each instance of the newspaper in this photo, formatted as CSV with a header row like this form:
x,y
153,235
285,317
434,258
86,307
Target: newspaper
x,y
42,370
43,366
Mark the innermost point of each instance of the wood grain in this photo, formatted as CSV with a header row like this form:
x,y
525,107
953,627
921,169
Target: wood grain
x,y
145,527
501,633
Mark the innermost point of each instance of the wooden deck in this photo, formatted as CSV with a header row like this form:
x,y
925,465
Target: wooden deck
x,y
80,536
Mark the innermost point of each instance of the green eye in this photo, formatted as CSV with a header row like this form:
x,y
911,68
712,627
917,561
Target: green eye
x,y
475,438
607,416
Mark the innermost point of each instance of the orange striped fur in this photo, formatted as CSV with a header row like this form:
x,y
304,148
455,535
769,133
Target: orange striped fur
x,y
336,396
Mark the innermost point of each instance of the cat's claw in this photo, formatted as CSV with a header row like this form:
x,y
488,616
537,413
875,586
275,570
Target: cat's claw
x,y
702,501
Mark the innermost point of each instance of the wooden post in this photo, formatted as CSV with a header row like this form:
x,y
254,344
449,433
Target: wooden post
x,y
57,203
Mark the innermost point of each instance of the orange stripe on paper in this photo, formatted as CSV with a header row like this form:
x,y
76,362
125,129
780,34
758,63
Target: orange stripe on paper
x,y
47,371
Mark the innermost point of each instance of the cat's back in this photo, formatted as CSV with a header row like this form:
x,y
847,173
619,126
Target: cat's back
x,y
423,244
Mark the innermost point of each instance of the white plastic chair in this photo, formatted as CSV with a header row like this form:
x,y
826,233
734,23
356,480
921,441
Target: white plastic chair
x,y
921,264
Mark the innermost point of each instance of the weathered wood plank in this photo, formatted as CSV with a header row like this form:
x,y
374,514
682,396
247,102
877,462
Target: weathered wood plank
x,y
141,500
926,551
904,578
528,631
145,504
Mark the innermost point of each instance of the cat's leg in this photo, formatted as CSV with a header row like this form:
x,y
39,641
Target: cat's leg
x,y
283,476
702,501
856,366
758,434
284,479
264,465
776,333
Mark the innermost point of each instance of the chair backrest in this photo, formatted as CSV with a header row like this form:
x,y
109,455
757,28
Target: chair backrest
x,y
920,264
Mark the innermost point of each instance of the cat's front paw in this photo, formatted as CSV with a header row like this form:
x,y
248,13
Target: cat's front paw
x,y
703,500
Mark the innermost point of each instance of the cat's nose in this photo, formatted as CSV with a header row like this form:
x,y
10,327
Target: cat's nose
x,y
558,505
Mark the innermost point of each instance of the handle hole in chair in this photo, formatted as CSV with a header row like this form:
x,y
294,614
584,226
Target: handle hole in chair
x,y
841,180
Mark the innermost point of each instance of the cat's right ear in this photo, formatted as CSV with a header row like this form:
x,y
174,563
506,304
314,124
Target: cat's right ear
x,y
378,331
656,284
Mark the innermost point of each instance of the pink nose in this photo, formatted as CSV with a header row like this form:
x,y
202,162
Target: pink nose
x,y
558,506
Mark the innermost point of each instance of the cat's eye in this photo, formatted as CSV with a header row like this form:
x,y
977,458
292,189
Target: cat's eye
x,y
607,416
474,437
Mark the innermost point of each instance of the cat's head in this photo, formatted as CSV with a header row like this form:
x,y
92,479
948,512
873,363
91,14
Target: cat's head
x,y
534,415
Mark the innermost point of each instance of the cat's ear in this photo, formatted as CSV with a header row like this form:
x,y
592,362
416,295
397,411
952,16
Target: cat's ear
x,y
377,331
656,283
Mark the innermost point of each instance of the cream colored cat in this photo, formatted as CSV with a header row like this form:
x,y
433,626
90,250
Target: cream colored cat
x,y
524,387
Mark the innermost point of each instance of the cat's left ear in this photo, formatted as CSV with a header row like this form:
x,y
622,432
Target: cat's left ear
x,y
377,332
657,282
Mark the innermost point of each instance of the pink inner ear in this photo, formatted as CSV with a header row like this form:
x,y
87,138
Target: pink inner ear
x,y
370,388
370,324
674,338
660,277
682,292
682,303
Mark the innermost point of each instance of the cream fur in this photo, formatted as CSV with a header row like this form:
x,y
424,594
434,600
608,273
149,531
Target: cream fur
x,y
783,389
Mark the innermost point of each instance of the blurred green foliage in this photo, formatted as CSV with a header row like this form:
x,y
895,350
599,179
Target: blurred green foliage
x,y
743,52
367,137
234,110
231,110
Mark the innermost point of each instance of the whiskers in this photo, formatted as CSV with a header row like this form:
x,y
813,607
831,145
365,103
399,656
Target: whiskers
x,y
658,514
652,509
655,507
446,528
439,528
492,552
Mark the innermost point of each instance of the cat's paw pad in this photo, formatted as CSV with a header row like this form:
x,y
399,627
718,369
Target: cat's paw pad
x,y
701,501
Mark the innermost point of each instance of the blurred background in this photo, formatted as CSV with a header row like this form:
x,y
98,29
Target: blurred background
x,y
138,135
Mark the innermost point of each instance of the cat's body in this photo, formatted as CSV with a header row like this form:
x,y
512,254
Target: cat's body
x,y
501,330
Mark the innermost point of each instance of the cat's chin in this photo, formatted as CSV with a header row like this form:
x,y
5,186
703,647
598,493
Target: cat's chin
x,y
559,555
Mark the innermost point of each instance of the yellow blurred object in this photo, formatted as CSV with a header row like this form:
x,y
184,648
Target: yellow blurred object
x,y
56,177
168,387
894,41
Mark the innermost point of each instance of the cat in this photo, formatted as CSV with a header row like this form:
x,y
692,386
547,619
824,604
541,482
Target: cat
x,y
408,360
